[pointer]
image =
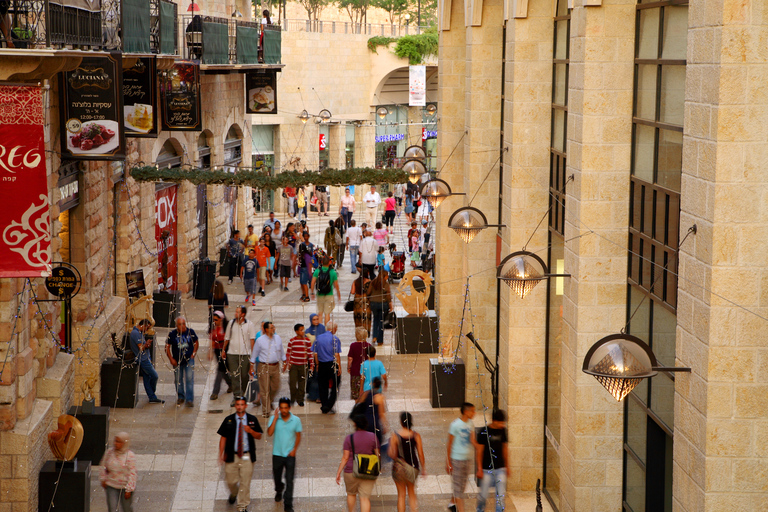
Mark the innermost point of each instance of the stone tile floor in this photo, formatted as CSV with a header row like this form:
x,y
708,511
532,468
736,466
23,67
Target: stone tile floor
x,y
177,447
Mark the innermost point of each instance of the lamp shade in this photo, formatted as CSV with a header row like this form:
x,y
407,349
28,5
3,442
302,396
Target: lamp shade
x,y
415,152
193,7
304,116
436,191
415,169
620,362
382,112
467,222
431,109
325,115
522,271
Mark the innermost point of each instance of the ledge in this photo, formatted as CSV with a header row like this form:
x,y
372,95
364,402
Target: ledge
x,y
27,65
218,69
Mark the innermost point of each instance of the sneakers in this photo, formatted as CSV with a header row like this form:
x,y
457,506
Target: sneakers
x,y
301,404
179,401
156,401
452,507
190,404
262,294
278,496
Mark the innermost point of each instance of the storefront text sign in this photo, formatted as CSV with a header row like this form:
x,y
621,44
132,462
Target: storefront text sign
x,y
139,101
390,138
181,97
261,92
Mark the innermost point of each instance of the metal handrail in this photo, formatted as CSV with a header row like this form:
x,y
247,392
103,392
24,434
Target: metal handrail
x,y
38,24
347,27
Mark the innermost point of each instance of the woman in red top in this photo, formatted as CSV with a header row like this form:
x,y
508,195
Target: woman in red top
x,y
217,344
390,206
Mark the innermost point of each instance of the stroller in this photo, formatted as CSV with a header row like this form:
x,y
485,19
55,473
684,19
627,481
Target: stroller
x,y
397,266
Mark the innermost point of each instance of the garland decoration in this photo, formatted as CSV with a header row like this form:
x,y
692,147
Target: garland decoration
x,y
259,179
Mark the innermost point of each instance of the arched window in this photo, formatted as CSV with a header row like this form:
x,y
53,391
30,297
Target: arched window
x,y
233,146
204,150
170,155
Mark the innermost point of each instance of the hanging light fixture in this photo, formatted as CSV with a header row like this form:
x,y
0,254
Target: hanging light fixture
x,y
415,169
436,191
468,221
382,112
620,362
431,109
415,152
522,271
304,116
325,115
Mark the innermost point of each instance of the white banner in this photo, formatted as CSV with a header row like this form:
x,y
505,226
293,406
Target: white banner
x,y
417,86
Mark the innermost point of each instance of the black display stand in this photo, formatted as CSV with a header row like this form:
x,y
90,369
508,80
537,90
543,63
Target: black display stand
x,y
204,274
95,433
111,378
419,286
416,334
73,492
166,308
447,383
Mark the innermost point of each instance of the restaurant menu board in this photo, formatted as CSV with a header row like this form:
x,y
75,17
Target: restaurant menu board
x,y
91,110
181,97
261,92
139,90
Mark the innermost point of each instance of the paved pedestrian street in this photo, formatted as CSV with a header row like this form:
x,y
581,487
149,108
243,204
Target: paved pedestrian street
x,y
177,447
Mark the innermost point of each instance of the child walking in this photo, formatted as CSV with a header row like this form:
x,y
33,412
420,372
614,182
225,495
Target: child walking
x,y
297,357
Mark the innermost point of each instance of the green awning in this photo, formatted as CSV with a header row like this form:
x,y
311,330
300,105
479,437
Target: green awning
x,y
272,52
135,29
215,43
247,45
168,28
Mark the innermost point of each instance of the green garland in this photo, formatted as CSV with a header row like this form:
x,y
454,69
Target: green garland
x,y
261,180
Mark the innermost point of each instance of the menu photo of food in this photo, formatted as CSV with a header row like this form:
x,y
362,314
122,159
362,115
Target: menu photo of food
x,y
139,117
262,99
93,137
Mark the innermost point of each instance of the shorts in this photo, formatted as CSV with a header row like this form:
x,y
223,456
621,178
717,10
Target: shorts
x,y
262,273
304,276
358,486
271,263
285,271
325,304
459,476
250,286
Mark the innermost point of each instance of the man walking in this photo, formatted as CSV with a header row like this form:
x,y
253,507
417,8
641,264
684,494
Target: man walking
x,y
234,254
181,349
237,450
354,237
270,221
327,351
326,279
238,346
461,439
372,200
268,350
306,249
321,192
287,431
139,347
297,358
492,461
248,276
369,250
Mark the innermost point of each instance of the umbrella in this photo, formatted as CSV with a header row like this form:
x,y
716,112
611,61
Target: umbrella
x,y
193,7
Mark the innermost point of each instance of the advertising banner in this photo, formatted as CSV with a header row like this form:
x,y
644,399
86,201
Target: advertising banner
x,y
181,98
261,92
24,218
139,98
323,142
165,235
417,86
91,110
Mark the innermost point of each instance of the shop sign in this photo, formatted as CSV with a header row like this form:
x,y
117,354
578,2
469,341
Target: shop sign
x,y
139,103
390,138
261,92
181,97
165,235
64,281
323,142
428,134
25,224
417,86
69,191
92,111
134,283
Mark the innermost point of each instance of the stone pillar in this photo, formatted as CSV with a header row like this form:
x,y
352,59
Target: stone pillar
x,y
599,140
722,406
337,146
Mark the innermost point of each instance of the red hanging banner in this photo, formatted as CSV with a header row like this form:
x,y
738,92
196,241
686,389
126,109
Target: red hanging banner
x,y
25,247
165,234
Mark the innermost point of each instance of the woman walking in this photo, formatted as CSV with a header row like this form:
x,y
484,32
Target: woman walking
x,y
374,408
390,212
301,204
332,240
380,297
217,301
347,207
358,353
362,311
269,243
217,344
363,443
407,452
408,205
118,475
341,229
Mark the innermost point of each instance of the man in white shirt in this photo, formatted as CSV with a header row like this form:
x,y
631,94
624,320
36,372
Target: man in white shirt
x,y
238,345
371,200
354,237
369,249
268,350
270,221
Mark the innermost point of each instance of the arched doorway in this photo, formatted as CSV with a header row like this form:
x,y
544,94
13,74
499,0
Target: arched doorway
x,y
169,156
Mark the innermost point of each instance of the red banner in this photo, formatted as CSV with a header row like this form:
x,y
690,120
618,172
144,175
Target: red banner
x,y
25,221
165,234
323,142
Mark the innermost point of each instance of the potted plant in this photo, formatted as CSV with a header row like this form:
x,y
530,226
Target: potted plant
x,y
21,37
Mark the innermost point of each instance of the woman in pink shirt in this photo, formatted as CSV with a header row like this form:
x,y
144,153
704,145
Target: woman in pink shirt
x,y
118,474
347,207
381,235
390,205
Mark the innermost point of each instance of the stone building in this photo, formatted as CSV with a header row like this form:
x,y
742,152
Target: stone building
x,y
599,133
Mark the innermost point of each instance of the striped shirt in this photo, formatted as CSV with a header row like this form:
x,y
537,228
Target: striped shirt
x,y
299,351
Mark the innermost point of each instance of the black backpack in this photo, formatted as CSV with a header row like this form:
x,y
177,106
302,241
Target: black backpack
x,y
324,282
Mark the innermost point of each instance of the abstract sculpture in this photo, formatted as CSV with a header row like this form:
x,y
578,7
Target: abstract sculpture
x,y
416,302
65,441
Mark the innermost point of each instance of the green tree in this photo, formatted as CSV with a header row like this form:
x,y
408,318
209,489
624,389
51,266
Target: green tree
x,y
314,7
396,9
356,9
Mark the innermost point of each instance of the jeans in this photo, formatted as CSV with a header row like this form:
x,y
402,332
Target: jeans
x,y
347,218
497,478
234,264
289,464
184,375
353,252
221,372
326,375
340,258
116,500
149,376
379,311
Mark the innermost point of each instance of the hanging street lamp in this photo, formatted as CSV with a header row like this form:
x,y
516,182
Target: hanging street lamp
x,y
468,221
522,271
304,116
436,191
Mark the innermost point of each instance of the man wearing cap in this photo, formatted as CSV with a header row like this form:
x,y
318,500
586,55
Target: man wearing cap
x,y
372,200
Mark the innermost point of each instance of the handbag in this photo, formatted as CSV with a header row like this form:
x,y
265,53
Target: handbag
x,y
349,306
365,467
401,470
252,391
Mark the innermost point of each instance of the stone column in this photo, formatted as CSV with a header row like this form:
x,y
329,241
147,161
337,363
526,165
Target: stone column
x,y
722,406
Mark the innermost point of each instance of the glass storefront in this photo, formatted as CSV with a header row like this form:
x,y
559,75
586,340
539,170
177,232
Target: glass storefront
x,y
391,136
324,143
429,137
349,149
263,157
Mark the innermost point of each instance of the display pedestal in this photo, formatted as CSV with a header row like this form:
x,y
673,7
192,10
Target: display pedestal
x,y
73,492
419,286
166,308
416,334
447,383
111,378
95,433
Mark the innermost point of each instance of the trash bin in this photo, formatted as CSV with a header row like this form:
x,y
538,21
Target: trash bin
x,y
203,278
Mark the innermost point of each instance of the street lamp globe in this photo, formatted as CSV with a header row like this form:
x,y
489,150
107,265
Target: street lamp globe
x,y
415,152
467,222
304,116
431,109
325,115
620,362
382,112
415,169
522,271
436,191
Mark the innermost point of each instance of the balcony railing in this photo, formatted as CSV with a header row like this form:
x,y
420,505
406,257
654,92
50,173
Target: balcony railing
x,y
346,27
214,40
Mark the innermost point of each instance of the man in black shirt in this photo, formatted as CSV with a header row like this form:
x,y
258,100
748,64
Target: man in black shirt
x,y
306,248
237,450
492,462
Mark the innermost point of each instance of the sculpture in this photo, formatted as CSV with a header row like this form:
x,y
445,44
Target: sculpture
x,y
140,309
416,302
65,441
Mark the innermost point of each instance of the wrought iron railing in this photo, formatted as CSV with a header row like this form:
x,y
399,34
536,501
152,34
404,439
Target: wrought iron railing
x,y
346,27
214,40
36,24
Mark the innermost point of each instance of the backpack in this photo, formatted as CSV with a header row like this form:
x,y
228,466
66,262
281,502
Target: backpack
x,y
324,282
337,237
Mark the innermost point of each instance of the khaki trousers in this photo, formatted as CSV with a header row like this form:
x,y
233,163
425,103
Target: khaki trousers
x,y
239,474
269,384
370,217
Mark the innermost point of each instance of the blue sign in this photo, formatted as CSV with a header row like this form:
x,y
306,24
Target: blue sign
x,y
390,138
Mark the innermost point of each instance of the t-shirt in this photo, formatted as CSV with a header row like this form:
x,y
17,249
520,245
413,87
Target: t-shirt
x,y
234,247
136,338
370,370
369,249
389,204
285,434
354,235
249,269
285,252
357,351
272,248
251,240
326,346
334,277
262,255
299,351
380,259
492,439
365,444
290,191
462,433
182,345
380,235
348,203
218,305
305,254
